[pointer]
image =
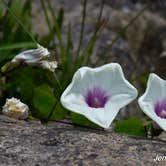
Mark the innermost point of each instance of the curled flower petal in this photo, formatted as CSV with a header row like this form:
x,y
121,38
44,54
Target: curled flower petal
x,y
153,101
14,108
98,93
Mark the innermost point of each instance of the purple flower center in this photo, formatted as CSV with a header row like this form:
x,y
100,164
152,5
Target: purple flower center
x,y
160,109
96,97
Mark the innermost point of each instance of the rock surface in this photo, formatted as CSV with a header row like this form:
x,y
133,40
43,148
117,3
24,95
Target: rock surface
x,y
32,144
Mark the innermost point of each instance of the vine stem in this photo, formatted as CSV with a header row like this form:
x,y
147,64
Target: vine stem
x,y
78,125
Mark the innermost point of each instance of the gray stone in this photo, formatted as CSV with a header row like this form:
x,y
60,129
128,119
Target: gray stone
x,y
30,143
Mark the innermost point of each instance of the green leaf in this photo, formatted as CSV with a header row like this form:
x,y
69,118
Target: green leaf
x,y
81,120
60,17
1,11
131,126
5,57
143,80
82,27
20,83
57,30
69,45
59,113
26,88
17,45
43,100
16,7
17,21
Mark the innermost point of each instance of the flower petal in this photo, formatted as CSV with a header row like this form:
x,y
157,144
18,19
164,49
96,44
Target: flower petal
x,y
156,90
110,78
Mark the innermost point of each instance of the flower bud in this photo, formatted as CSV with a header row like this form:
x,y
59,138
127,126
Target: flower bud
x,y
39,57
14,108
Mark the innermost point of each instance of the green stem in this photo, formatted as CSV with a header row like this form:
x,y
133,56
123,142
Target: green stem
x,y
46,15
100,14
57,29
52,111
60,87
82,28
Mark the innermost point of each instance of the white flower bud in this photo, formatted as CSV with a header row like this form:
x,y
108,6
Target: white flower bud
x,y
31,56
36,57
14,108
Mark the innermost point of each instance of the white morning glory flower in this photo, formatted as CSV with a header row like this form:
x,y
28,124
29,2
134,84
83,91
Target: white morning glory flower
x,y
36,57
98,93
14,108
153,101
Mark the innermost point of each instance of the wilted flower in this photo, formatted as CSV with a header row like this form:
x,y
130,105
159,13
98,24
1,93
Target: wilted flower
x,y
153,101
14,108
36,57
98,93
